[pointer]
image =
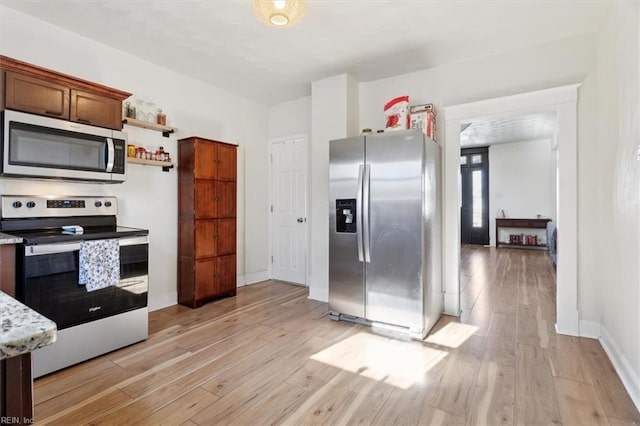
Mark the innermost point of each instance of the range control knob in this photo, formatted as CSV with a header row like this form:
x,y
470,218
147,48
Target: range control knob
x,y
98,204
107,203
17,204
31,204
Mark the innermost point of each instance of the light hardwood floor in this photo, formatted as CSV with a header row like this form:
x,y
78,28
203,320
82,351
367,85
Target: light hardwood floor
x,y
272,356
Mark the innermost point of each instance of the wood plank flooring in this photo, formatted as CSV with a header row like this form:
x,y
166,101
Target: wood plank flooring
x,y
272,356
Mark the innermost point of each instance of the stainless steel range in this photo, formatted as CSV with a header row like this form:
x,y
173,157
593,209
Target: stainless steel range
x,y
90,323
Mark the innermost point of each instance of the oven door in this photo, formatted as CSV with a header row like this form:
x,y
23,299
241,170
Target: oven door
x,y
48,283
38,146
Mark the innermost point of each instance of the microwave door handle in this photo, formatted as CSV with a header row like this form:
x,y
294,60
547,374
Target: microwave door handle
x,y
110,155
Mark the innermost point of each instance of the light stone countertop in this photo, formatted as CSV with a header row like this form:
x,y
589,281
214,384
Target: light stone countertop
x,y
22,329
9,239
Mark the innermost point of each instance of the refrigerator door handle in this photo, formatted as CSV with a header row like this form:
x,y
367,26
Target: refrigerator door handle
x,y
359,215
365,213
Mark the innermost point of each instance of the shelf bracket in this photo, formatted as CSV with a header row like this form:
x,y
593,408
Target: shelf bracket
x,y
166,133
167,168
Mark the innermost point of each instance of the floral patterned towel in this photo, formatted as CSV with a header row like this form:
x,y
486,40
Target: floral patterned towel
x,y
99,264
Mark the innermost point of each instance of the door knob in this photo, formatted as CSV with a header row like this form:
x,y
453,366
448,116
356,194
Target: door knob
x,y
300,220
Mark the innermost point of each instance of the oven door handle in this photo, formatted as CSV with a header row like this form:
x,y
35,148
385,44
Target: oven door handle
x,y
37,250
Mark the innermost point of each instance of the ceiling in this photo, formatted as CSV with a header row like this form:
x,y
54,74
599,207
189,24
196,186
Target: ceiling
x,y
521,128
222,43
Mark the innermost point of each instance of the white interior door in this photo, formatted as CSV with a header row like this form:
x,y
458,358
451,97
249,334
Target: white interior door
x,y
289,210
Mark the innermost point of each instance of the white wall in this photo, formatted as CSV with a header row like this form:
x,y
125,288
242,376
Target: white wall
x,y
520,183
618,190
290,118
148,198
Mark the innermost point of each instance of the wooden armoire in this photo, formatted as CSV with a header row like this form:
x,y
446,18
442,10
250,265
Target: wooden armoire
x,y
206,220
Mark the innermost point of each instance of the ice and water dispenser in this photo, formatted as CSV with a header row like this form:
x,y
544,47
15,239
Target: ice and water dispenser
x,y
346,216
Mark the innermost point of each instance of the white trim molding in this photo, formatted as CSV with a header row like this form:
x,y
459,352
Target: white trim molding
x,y
590,329
167,299
252,278
562,100
629,378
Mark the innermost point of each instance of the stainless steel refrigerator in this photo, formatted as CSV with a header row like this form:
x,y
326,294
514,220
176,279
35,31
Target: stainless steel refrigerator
x,y
385,249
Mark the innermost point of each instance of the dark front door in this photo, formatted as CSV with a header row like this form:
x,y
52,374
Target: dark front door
x,y
474,211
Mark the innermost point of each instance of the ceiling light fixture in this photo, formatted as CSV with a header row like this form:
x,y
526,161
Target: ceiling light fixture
x,y
279,13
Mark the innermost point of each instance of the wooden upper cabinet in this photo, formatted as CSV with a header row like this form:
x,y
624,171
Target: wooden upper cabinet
x,y
215,161
37,90
226,162
206,160
30,94
96,110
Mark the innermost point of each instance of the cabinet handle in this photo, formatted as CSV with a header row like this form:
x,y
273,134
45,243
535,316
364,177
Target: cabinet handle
x,y
53,113
82,120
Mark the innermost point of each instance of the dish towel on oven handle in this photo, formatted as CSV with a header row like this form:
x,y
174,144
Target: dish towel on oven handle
x,y
99,264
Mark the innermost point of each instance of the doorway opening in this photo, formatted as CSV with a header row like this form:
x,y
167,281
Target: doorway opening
x,y
474,196
563,102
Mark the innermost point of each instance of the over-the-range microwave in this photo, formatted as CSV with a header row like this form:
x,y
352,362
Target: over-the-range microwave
x,y
42,147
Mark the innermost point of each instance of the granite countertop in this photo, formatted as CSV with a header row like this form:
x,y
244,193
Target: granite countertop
x,y
22,329
9,239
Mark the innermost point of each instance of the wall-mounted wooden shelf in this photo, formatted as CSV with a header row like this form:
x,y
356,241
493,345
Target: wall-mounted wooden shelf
x,y
166,130
164,164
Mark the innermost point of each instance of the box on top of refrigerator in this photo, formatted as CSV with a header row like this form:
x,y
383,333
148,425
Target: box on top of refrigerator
x,y
424,117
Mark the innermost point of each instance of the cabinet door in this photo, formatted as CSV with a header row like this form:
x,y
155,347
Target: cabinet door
x,y
205,282
206,238
227,163
206,157
225,273
226,198
205,199
89,108
30,94
226,237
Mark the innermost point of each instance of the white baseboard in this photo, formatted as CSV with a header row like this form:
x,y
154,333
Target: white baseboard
x,y
320,294
163,300
622,366
590,329
254,277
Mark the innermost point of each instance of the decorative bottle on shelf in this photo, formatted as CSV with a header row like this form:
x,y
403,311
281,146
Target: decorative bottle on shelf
x,y
161,117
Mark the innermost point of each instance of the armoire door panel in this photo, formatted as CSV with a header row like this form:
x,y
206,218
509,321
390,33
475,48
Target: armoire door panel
x,y
206,238
205,282
206,160
226,237
226,162
226,273
206,199
226,199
